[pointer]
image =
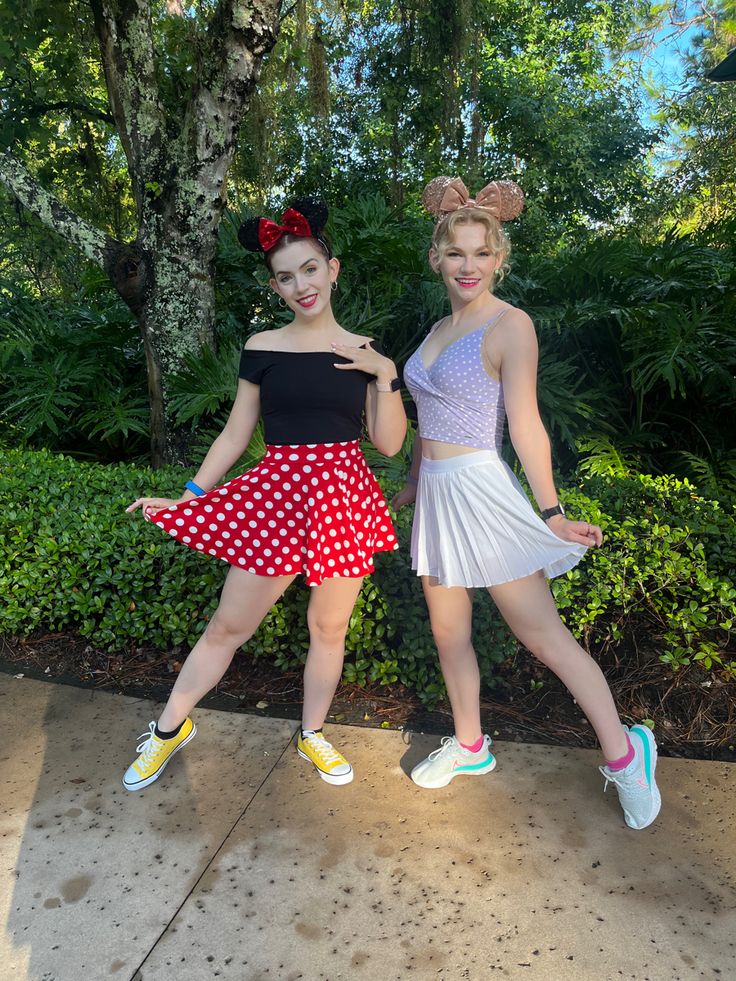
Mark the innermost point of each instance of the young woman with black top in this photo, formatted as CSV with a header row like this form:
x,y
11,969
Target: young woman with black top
x,y
310,507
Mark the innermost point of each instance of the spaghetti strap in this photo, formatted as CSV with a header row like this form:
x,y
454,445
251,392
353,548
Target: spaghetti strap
x,y
486,334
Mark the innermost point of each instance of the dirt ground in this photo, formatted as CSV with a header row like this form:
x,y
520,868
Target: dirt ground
x,y
694,713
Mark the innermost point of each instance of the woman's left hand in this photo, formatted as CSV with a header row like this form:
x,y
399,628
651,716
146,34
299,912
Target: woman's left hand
x,y
580,532
365,359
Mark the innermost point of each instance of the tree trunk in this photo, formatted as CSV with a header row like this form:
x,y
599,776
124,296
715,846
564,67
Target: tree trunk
x,y
178,318
177,176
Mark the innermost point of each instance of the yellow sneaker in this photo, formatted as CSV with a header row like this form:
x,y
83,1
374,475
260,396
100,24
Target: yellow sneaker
x,y
330,765
155,754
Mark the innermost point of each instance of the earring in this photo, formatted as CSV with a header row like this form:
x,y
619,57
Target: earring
x,y
281,301
334,286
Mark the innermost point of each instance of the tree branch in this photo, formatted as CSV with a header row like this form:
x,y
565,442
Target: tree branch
x,y
36,109
93,242
239,34
125,264
125,32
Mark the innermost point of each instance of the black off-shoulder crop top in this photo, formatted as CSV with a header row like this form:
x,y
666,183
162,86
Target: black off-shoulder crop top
x,y
304,398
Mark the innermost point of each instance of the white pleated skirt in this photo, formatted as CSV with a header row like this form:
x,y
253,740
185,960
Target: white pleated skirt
x,y
474,525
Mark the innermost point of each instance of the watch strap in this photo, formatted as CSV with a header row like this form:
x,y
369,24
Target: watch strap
x,y
551,512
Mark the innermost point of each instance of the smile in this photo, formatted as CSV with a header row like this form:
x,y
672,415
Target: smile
x,y
467,284
308,301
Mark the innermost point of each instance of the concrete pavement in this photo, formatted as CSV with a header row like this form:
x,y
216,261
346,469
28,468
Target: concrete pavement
x,y
240,863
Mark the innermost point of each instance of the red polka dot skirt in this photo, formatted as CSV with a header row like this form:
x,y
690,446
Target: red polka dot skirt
x,y
314,509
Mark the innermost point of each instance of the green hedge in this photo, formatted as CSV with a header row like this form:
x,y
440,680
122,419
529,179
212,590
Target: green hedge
x,y
72,559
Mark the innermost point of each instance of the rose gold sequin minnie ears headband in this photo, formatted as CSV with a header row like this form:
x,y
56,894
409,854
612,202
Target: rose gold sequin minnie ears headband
x,y
502,199
305,218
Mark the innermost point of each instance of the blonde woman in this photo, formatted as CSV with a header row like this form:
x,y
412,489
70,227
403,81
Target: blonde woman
x,y
473,526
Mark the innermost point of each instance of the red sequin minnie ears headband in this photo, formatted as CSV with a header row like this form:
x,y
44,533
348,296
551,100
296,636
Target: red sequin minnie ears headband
x,y
292,223
502,199
305,218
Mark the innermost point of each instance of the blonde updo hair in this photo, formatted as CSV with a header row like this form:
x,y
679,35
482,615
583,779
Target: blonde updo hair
x,y
496,238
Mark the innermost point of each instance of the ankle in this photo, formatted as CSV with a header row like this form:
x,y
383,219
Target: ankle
x,y
623,761
308,731
474,747
162,733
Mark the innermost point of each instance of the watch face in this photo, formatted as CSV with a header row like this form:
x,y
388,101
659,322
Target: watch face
x,y
395,384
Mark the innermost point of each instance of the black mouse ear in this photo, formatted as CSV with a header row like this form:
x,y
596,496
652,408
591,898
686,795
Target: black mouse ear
x,y
248,235
314,210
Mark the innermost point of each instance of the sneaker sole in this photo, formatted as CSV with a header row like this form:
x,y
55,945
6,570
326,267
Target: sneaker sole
x,y
644,733
149,780
437,784
337,779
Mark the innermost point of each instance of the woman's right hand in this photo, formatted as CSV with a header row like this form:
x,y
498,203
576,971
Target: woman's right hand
x,y
151,505
407,495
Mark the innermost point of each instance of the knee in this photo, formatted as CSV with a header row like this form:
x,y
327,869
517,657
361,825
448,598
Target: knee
x,y
224,632
449,638
327,628
551,648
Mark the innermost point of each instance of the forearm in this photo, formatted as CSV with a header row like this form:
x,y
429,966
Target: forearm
x,y
387,427
224,452
532,446
389,423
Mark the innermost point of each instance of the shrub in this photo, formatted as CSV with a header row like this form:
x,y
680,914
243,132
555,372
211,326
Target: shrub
x,y
72,559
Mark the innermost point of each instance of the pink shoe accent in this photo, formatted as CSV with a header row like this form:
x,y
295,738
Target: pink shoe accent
x,y
478,746
622,762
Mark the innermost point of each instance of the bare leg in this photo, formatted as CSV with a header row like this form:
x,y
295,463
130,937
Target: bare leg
x,y
330,606
245,600
450,613
528,607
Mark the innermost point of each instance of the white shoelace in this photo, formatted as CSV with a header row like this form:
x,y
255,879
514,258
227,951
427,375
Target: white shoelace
x,y
448,744
323,749
148,747
613,778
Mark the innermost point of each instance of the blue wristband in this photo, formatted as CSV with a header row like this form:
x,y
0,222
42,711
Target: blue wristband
x,y
194,488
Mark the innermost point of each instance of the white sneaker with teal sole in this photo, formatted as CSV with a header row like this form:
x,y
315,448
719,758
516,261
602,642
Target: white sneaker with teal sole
x,y
637,789
453,760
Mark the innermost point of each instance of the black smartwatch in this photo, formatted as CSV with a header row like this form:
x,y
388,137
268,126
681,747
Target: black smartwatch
x,y
393,386
551,512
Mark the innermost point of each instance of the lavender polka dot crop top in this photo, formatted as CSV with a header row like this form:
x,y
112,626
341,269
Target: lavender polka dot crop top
x,y
457,400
